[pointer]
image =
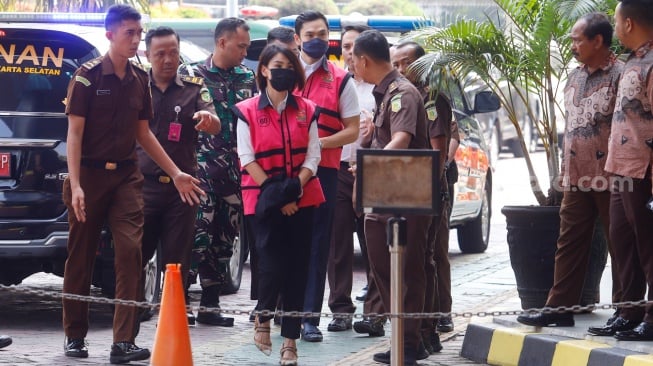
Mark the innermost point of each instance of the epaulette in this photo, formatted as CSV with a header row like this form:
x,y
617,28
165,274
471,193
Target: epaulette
x,y
192,79
89,65
138,66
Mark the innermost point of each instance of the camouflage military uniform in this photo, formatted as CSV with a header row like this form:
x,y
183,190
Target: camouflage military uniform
x,y
217,221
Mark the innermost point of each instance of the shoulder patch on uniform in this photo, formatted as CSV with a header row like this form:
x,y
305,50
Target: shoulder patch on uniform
x,y
431,111
138,66
206,95
395,103
192,79
91,64
83,80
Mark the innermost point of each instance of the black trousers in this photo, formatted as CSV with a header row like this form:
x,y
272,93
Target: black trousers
x,y
282,247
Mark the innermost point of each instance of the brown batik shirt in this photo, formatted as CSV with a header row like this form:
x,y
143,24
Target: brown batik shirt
x,y
631,142
589,105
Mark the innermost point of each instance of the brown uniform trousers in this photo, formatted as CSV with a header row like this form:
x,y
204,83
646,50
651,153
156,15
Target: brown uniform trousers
x,y
578,213
169,221
632,233
413,268
341,252
115,196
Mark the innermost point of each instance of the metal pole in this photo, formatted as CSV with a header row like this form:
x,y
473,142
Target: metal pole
x,y
396,241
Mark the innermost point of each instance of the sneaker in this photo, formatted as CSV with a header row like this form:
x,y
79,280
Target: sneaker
x,y
124,352
75,348
190,317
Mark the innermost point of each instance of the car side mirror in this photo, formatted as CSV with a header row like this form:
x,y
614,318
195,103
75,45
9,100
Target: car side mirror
x,y
486,101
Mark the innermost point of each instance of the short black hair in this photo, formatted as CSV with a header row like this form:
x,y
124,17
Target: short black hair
x,y
119,12
358,28
372,43
598,24
418,49
161,31
309,16
281,33
229,25
267,54
640,11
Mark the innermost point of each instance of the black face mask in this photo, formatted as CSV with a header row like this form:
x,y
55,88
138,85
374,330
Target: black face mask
x,y
282,79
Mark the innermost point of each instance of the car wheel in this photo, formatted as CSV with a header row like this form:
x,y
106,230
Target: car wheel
x,y
495,145
237,262
152,286
473,237
153,276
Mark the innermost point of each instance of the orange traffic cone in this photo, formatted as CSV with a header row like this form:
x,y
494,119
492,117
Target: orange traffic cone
x,y
172,339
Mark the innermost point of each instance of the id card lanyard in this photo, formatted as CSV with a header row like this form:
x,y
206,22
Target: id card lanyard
x,y
174,130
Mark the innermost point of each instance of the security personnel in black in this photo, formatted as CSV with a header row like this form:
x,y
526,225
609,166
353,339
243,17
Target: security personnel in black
x,y
182,107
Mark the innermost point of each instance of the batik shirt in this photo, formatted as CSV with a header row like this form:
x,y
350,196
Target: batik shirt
x,y
631,140
589,104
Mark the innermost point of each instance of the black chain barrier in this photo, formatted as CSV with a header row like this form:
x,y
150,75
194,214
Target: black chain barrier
x,y
299,314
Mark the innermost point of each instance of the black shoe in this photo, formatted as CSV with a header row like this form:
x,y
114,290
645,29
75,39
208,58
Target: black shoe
x,y
618,325
210,318
5,341
191,318
445,324
642,332
434,342
384,357
422,353
612,318
124,352
371,326
75,348
311,333
339,325
146,314
547,319
362,295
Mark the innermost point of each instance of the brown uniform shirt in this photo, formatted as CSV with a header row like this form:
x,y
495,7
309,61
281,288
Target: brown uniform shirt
x,y
190,95
112,108
630,152
399,107
439,117
589,104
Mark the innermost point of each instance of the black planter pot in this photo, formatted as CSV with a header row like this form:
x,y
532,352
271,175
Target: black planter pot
x,y
532,238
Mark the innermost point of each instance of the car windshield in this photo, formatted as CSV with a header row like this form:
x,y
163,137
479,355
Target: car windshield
x,y
34,74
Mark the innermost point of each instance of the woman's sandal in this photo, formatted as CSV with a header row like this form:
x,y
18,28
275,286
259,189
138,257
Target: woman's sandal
x,y
288,361
266,348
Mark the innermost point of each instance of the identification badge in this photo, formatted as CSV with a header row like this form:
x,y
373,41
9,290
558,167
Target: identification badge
x,y
174,132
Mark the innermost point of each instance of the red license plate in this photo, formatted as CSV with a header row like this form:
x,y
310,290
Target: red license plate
x,y
5,164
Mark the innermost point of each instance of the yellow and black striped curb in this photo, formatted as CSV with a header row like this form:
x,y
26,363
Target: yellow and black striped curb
x,y
496,345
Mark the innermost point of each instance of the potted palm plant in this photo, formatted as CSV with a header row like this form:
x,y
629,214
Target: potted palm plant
x,y
523,55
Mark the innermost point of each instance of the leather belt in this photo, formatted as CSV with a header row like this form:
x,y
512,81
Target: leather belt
x,y
106,165
164,179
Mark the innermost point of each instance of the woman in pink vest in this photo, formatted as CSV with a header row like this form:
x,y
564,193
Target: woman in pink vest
x,y
279,153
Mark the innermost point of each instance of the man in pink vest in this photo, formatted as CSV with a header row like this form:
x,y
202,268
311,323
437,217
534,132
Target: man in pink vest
x,y
332,90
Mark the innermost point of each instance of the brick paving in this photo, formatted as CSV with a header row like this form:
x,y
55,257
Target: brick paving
x,y
480,281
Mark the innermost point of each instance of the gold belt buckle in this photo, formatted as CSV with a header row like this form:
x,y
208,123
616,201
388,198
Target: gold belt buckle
x,y
164,179
110,165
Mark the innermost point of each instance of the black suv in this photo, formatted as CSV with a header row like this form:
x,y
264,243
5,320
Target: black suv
x,y
38,55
